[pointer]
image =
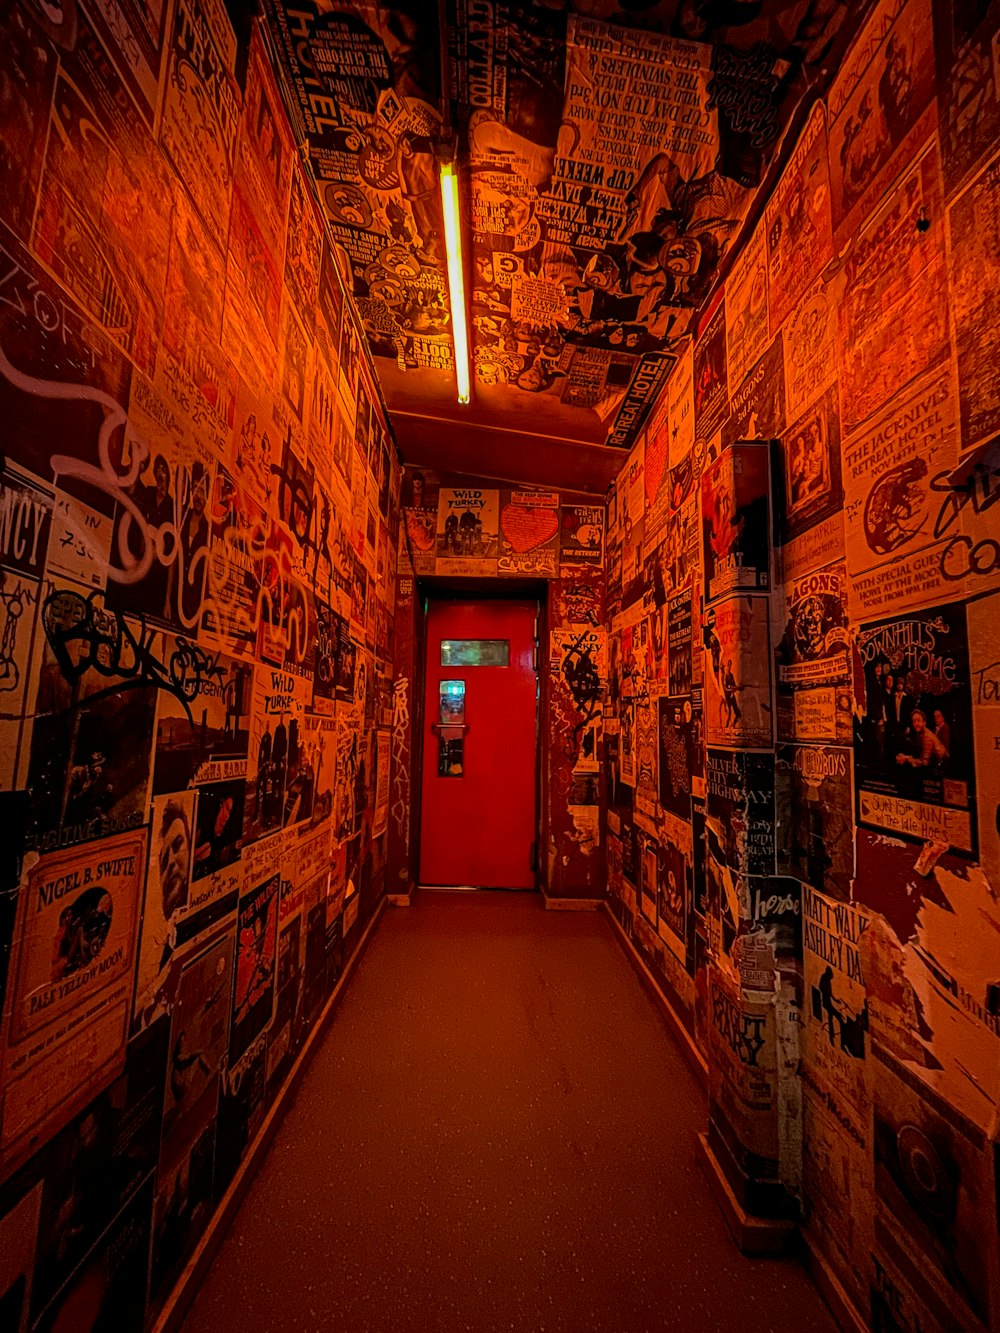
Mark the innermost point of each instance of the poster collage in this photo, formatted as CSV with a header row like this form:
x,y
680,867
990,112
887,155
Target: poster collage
x,y
199,500
612,152
467,527
802,730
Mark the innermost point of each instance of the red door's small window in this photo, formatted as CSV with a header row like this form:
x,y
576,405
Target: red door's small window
x,y
475,652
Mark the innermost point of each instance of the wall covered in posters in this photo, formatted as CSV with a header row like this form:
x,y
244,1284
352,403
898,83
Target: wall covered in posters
x,y
803,596
198,513
554,542
610,155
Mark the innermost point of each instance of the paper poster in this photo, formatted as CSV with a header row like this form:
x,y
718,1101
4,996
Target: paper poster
x,y
69,990
815,660
913,751
529,534
815,800
892,304
738,709
875,106
734,521
467,531
797,221
896,487
581,536
974,224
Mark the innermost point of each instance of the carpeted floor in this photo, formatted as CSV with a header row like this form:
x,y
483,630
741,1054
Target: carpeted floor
x,y
496,1133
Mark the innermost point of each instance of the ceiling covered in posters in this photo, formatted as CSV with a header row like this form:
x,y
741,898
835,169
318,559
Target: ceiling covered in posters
x,y
609,155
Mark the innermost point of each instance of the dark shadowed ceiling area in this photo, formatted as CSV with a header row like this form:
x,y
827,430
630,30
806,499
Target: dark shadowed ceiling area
x,y
609,155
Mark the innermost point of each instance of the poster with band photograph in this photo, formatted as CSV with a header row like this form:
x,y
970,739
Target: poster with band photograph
x,y
913,749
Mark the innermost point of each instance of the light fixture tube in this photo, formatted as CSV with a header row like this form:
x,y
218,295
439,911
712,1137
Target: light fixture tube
x,y
456,277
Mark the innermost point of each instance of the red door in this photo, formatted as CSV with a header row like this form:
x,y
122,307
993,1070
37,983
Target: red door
x,y
480,723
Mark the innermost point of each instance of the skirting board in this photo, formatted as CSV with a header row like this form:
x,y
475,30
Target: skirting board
x,y
667,1012
196,1269
755,1236
571,904
843,1309
398,899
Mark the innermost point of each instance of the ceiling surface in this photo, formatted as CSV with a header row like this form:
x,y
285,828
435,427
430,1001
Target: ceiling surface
x,y
608,154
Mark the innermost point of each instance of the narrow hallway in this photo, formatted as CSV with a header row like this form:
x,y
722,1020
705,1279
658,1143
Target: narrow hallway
x,y
475,1146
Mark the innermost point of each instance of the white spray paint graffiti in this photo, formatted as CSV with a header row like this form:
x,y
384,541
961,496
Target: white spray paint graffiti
x,y
400,762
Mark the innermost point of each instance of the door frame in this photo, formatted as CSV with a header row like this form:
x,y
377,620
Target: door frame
x,y
443,589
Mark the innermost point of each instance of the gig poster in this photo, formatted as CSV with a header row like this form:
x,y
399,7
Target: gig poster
x,y
913,747
814,798
529,534
256,961
744,1068
738,709
896,472
757,406
808,338
797,221
876,105
735,522
813,490
893,307
467,531
974,222
200,112
968,99
581,537
815,660
69,991
747,333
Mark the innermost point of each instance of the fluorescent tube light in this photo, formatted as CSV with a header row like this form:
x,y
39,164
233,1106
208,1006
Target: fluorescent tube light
x,y
456,277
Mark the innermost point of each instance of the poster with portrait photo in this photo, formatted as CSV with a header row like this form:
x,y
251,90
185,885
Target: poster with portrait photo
x,y
180,1212
69,991
256,970
738,710
735,522
274,769
167,902
913,747
812,487
218,828
674,899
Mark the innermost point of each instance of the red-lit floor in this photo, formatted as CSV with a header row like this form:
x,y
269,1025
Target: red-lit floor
x,y
497,1133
